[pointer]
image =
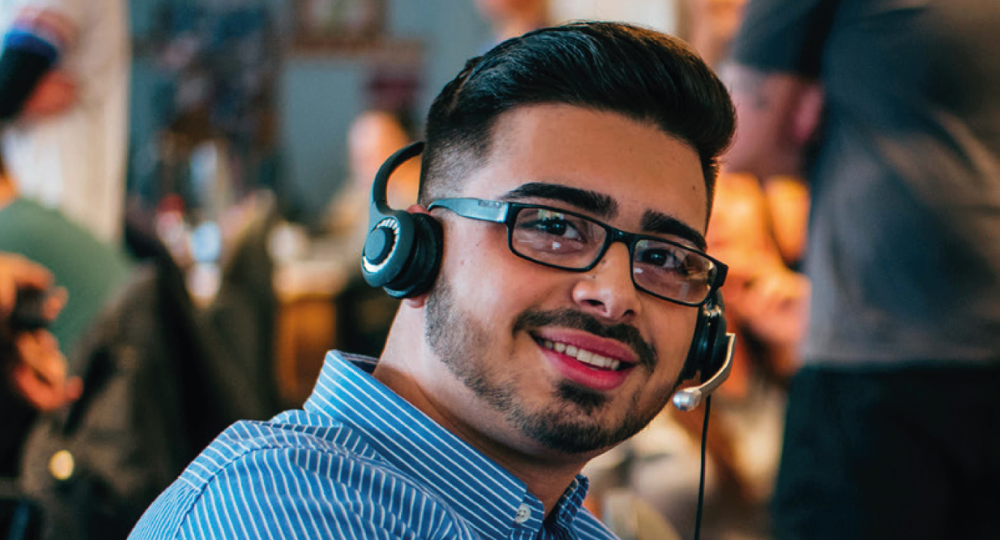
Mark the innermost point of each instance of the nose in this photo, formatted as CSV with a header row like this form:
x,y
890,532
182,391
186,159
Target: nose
x,y
607,291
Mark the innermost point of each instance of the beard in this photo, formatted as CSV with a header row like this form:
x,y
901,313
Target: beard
x,y
573,422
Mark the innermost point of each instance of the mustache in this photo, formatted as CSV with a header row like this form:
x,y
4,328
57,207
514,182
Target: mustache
x,y
627,334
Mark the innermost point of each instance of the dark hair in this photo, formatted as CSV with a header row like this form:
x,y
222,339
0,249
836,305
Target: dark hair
x,y
640,73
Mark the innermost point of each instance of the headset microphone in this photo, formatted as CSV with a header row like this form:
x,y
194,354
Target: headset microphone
x,y
689,398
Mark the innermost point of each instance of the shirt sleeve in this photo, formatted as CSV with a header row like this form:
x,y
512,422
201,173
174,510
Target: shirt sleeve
x,y
785,35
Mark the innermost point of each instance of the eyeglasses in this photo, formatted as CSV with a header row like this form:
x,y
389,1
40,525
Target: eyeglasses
x,y
561,239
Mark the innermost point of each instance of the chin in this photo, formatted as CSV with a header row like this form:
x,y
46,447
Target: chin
x,y
581,430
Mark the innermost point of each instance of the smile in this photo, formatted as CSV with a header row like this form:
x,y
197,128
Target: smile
x,y
582,355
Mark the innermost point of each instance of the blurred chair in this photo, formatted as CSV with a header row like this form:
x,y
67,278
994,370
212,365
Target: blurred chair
x,y
242,317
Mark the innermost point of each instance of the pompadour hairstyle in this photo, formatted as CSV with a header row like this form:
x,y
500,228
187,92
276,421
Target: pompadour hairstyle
x,y
605,66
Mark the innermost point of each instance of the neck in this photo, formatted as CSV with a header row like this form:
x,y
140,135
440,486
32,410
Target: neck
x,y
412,371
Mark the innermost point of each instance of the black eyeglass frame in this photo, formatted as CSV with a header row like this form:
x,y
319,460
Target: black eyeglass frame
x,y
507,212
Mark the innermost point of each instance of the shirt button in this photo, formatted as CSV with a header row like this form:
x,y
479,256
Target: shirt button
x,y
523,514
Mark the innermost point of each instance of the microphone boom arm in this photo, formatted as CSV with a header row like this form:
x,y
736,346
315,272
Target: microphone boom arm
x,y
689,398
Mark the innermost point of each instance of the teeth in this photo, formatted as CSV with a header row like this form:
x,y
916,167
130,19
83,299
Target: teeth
x,y
584,356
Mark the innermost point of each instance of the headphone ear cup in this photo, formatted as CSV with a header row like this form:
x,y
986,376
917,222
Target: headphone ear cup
x,y
422,258
692,365
708,348
387,249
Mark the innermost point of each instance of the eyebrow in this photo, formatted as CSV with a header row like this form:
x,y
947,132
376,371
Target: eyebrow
x,y
599,204
586,200
660,223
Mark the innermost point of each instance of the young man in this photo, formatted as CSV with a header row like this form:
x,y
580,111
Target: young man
x,y
570,171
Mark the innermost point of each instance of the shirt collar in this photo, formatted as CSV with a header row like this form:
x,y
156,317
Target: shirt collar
x,y
486,495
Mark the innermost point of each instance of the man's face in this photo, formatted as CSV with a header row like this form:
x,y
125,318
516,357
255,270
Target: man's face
x,y
505,328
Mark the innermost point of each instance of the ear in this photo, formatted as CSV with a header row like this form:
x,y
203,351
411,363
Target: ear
x,y
416,302
808,113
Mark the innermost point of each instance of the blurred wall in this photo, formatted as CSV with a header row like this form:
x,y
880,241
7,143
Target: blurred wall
x,y
319,92
659,14
320,95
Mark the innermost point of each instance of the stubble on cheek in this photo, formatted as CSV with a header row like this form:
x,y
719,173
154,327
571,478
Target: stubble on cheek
x,y
461,344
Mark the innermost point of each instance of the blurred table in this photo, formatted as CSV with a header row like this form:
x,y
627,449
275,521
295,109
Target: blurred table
x,y
306,287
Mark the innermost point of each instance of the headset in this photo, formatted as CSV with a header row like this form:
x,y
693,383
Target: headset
x,y
402,255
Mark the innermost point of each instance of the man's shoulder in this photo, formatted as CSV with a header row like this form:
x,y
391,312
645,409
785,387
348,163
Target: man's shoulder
x,y
291,444
318,480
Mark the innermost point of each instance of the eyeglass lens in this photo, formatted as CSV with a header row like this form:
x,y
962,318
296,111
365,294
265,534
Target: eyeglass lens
x,y
574,242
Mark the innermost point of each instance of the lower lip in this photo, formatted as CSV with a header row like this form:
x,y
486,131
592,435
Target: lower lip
x,y
580,373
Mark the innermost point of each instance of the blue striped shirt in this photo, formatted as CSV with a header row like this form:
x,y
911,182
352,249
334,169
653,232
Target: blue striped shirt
x,y
357,462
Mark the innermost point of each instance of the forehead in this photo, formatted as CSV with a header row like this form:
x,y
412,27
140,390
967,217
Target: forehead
x,y
638,166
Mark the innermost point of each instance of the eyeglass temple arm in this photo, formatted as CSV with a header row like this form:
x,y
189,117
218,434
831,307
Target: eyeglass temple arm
x,y
480,209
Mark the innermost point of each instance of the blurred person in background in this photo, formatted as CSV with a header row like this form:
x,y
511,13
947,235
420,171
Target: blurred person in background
x,y
710,26
64,102
764,298
889,108
90,270
763,227
45,251
33,372
156,382
372,137
511,18
364,314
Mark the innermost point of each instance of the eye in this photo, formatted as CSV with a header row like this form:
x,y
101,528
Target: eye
x,y
675,261
555,224
662,258
557,227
